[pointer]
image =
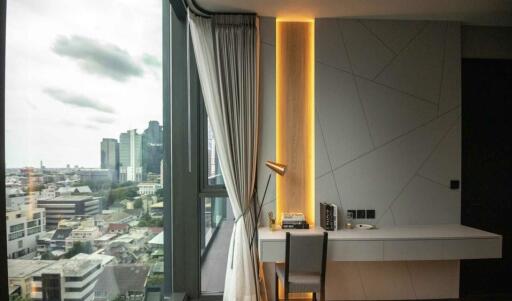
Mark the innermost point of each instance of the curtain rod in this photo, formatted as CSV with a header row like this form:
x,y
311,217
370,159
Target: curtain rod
x,y
198,10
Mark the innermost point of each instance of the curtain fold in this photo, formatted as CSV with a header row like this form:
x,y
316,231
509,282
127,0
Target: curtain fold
x,y
226,51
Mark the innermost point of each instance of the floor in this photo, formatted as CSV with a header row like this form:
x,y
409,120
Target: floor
x,y
213,269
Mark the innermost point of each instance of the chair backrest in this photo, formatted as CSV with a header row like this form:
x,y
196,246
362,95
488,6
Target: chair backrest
x,y
306,253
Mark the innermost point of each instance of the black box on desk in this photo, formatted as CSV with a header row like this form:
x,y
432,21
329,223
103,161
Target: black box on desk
x,y
329,216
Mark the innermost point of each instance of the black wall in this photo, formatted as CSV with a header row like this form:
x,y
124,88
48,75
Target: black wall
x,y
487,170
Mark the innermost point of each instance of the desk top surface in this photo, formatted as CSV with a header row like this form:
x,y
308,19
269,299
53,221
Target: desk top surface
x,y
404,232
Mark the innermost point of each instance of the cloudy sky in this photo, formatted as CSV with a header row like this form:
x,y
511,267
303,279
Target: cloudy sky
x,y
78,71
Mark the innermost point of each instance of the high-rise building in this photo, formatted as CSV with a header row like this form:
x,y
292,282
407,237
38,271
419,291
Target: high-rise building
x,y
130,156
110,157
152,147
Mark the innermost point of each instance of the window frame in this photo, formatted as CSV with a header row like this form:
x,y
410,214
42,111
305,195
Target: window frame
x,y
4,290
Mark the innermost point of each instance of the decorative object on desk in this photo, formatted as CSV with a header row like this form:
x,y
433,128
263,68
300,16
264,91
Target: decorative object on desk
x,y
293,220
365,227
271,221
329,216
278,168
350,220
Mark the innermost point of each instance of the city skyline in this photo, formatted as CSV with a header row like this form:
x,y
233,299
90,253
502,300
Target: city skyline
x,y
89,81
103,160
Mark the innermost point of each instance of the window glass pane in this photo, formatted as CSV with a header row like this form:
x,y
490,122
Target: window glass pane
x,y
214,172
84,149
216,227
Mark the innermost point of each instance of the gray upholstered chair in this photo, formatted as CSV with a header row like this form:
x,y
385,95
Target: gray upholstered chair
x,y
304,268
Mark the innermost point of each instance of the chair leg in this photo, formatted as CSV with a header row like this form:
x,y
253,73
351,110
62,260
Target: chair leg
x,y
314,296
276,288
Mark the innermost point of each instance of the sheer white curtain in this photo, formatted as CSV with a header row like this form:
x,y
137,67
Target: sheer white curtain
x,y
226,51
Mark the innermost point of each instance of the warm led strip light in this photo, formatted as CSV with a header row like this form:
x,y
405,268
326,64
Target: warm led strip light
x,y
302,129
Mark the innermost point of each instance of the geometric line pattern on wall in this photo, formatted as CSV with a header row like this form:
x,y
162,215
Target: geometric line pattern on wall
x,y
340,115
450,88
417,70
391,113
426,202
441,168
322,161
366,53
378,178
394,34
329,47
448,194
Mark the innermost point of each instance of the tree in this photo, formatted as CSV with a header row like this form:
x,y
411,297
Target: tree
x,y
147,221
159,193
138,204
121,193
79,247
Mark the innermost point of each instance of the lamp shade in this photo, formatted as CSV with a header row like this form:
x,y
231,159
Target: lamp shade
x,y
280,169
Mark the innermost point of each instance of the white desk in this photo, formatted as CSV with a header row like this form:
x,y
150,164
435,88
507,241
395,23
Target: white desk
x,y
399,243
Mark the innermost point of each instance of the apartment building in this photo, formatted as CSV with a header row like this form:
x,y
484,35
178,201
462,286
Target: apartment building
x,y
71,279
24,226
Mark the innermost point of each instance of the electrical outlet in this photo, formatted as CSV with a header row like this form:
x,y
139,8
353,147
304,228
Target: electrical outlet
x,y
454,184
370,213
361,213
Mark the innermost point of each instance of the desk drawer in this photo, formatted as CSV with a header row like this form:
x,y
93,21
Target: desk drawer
x,y
354,250
338,250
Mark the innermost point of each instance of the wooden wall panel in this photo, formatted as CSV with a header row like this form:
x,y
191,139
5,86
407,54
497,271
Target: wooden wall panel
x,y
295,117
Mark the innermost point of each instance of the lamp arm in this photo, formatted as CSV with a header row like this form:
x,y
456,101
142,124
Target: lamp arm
x,y
259,211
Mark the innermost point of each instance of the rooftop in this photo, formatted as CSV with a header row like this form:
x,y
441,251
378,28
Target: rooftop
x,y
158,239
122,278
106,237
105,259
116,227
74,198
61,234
21,268
77,189
158,205
71,267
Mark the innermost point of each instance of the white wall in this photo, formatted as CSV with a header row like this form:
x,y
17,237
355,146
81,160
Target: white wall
x,y
387,138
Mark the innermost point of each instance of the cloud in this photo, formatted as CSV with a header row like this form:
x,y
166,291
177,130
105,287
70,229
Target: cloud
x,y
77,100
103,119
98,58
151,60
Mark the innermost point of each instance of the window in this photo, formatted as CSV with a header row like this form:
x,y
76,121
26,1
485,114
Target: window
x,y
16,235
216,214
33,230
17,227
84,143
214,173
